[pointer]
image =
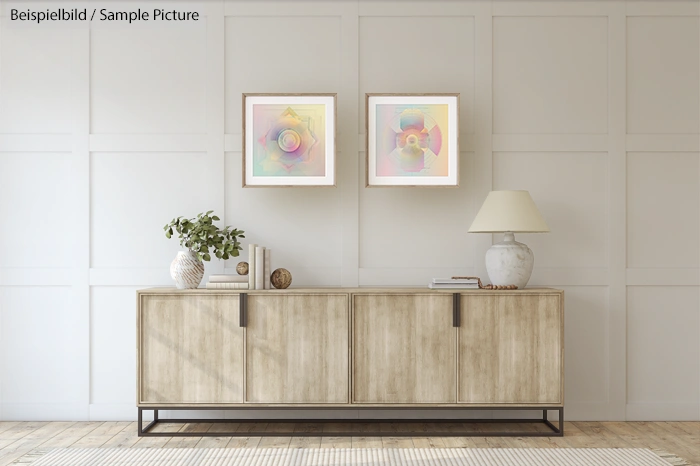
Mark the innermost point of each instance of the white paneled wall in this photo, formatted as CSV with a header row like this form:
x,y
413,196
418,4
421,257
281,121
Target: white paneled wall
x,y
594,106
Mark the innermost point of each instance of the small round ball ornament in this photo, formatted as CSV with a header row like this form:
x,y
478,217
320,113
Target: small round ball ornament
x,y
242,268
281,279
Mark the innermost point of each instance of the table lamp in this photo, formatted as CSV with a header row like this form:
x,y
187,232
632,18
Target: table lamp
x,y
509,212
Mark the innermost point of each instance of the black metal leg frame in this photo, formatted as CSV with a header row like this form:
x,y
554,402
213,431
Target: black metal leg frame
x,y
556,431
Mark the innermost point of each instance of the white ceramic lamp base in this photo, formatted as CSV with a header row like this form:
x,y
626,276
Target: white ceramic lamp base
x,y
509,262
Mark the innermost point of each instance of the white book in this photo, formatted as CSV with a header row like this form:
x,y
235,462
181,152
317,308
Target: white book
x,y
455,280
228,278
455,286
259,267
251,266
227,286
267,272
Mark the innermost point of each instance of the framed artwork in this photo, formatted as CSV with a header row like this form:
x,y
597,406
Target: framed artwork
x,y
289,140
412,140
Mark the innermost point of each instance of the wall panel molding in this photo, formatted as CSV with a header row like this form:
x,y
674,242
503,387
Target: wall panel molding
x,y
282,8
348,171
663,8
38,276
550,143
663,143
36,142
663,411
80,98
45,412
617,239
437,8
663,277
549,8
216,113
148,142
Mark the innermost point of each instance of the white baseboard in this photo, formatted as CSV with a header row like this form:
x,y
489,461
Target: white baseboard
x,y
663,411
44,411
588,411
115,412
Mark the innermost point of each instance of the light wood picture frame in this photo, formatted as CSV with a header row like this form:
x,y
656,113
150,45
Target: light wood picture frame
x,y
412,140
289,140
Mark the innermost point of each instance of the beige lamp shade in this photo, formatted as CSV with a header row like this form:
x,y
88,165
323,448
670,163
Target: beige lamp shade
x,y
509,211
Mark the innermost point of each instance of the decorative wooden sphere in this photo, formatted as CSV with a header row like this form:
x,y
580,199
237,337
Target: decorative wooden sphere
x,y
242,268
281,279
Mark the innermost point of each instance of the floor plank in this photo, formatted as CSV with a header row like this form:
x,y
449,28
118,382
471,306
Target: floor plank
x,y
366,442
72,434
428,442
31,441
157,442
124,439
244,442
336,442
101,435
277,442
305,442
397,442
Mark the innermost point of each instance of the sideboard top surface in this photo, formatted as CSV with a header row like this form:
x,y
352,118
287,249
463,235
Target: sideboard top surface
x,y
362,290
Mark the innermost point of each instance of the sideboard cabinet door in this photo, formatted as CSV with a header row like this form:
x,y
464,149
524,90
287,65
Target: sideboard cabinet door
x,y
403,349
510,349
190,349
297,348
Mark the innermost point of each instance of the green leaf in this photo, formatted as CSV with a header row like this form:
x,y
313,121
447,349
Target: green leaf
x,y
215,218
206,257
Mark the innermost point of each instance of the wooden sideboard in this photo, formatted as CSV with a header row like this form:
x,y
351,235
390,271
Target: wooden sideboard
x,y
350,348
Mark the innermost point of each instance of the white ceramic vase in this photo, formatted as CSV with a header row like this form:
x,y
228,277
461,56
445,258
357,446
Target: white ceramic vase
x,y
509,262
187,270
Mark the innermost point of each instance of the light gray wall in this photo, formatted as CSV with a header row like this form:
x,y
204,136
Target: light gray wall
x,y
593,106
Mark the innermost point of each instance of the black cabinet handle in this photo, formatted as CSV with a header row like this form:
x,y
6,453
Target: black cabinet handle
x,y
243,309
456,314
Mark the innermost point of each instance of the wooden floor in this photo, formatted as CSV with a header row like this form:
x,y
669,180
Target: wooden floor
x,y
20,438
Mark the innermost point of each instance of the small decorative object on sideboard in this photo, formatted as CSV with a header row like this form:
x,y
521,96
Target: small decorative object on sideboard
x,y
242,268
198,235
486,287
281,279
227,282
454,283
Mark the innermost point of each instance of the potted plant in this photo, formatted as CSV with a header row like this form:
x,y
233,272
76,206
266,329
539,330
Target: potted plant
x,y
200,237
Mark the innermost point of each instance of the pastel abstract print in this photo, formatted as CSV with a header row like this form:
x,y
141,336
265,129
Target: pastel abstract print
x,y
290,140
412,140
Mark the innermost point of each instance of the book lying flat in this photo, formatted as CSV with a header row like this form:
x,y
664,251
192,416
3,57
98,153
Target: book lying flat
x,y
453,286
455,280
227,286
228,278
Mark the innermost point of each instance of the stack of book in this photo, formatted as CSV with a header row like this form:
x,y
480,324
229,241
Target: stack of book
x,y
228,282
454,283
